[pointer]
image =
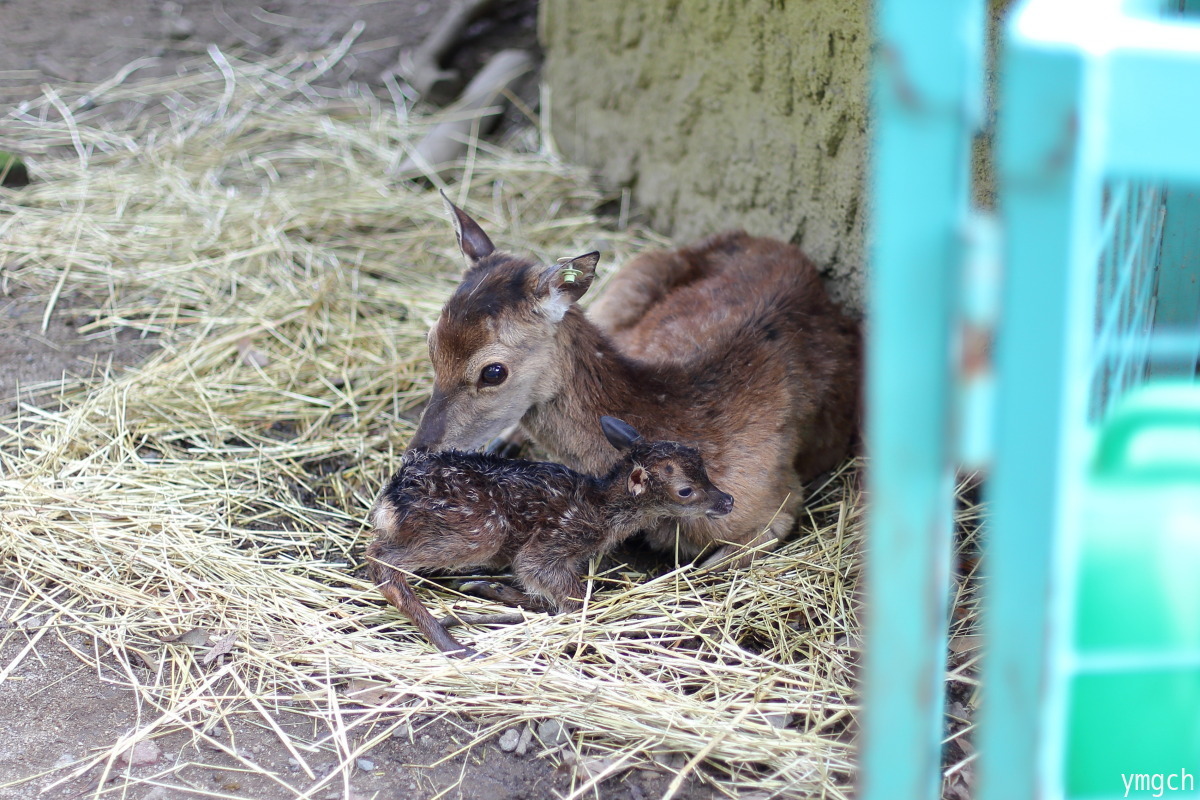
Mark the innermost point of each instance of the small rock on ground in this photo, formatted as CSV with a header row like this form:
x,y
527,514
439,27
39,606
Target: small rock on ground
x,y
510,739
669,760
523,742
141,754
553,732
779,720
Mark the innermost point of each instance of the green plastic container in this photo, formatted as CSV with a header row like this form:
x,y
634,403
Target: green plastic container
x,y
1134,695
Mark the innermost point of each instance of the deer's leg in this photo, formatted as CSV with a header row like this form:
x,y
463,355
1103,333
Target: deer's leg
x,y
453,619
551,577
773,522
555,587
668,537
497,592
399,594
735,554
504,594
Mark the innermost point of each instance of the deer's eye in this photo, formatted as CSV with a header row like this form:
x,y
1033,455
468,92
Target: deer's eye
x,y
493,375
686,491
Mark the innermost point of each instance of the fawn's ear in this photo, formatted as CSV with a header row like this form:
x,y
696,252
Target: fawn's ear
x,y
620,434
472,241
638,480
564,283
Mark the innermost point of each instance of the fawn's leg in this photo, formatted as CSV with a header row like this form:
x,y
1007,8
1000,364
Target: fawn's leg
x,y
454,619
502,593
551,576
553,583
497,592
398,593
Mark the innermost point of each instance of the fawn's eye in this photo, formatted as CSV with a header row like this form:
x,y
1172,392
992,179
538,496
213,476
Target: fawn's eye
x,y
493,374
686,491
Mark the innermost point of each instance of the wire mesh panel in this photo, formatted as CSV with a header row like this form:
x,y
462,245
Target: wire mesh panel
x,y
1129,247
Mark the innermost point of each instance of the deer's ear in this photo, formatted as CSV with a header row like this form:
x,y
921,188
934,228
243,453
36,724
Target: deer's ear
x,y
472,241
620,434
564,283
638,480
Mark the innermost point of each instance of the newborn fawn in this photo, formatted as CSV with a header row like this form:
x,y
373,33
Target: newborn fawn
x,y
461,511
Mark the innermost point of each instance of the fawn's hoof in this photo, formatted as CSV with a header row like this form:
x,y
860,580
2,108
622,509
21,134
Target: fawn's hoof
x,y
464,652
477,587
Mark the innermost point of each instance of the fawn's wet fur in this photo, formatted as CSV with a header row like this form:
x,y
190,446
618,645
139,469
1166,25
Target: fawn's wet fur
x,y
731,346
463,511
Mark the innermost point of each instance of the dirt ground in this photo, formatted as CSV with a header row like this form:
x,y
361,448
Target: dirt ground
x,y
60,698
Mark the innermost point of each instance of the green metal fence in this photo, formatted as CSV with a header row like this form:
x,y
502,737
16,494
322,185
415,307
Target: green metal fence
x,y
1098,247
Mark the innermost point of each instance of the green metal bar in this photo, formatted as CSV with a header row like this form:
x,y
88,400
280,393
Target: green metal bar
x,y
1050,189
1178,299
1144,84
924,101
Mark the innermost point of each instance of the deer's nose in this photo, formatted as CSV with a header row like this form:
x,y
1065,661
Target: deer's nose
x,y
432,429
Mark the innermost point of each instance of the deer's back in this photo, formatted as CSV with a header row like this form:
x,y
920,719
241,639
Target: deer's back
x,y
745,338
672,305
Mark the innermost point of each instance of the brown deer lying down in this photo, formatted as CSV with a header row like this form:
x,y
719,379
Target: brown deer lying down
x,y
731,345
460,511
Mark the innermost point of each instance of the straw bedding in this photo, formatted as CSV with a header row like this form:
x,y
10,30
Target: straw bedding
x,y
256,226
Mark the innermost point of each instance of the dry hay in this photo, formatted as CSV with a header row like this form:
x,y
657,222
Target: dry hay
x,y
256,226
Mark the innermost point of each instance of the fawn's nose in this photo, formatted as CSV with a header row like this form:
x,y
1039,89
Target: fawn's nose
x,y
722,504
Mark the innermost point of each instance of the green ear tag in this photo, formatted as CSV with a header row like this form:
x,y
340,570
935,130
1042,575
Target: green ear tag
x,y
570,274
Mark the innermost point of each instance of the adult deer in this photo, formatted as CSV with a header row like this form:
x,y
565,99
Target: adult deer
x,y
731,346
